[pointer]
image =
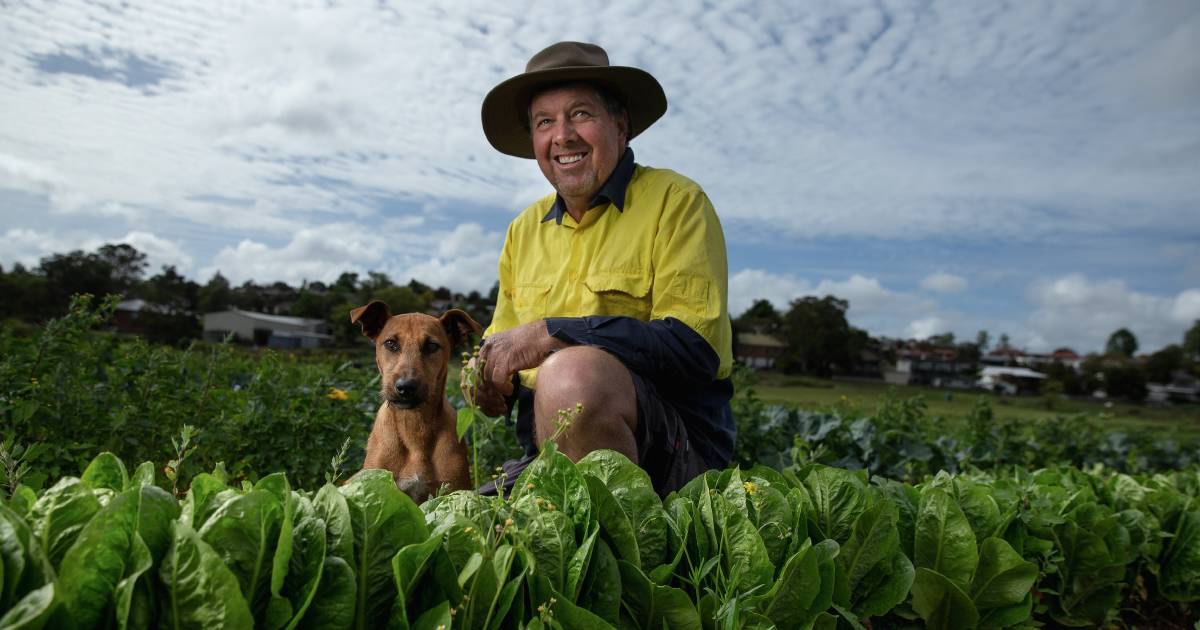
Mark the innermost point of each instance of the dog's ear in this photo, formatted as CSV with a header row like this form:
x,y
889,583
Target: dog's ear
x,y
459,326
372,317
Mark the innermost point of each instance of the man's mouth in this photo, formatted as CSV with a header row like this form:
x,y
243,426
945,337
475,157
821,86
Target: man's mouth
x,y
569,158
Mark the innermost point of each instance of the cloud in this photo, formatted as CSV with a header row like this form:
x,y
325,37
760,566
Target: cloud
x,y
872,306
1076,311
925,328
942,282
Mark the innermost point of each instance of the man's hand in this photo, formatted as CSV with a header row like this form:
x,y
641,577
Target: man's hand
x,y
480,392
506,353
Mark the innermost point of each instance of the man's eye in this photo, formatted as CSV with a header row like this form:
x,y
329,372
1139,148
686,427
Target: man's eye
x,y
543,122
391,344
581,113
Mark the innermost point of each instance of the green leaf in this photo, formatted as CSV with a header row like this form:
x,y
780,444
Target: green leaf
x,y
436,618
106,471
1003,578
551,540
838,497
981,510
552,478
601,591
22,500
60,514
466,418
630,486
614,523
941,603
1180,579
32,612
873,540
307,561
1008,615
142,476
944,542
744,550
804,589
577,565
384,520
884,587
200,591
333,605
139,562
772,516
244,532
196,506
98,560
332,508
653,606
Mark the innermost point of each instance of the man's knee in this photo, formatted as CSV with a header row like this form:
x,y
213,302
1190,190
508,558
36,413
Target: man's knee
x,y
587,375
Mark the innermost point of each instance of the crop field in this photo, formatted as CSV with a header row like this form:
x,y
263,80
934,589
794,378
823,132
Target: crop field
x,y
153,487
865,396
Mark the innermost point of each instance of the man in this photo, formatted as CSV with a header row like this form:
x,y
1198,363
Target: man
x,y
613,290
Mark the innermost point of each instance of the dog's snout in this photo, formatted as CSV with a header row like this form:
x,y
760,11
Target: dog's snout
x,y
405,387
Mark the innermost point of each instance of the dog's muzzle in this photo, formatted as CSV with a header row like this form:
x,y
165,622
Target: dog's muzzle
x,y
405,393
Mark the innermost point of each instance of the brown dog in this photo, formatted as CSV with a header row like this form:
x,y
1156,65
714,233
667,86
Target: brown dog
x,y
414,434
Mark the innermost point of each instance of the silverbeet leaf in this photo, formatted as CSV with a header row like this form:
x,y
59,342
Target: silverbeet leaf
x,y
32,612
944,542
106,471
384,520
201,592
244,532
941,603
60,514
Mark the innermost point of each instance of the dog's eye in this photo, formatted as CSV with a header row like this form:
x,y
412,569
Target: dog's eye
x,y
391,344
430,347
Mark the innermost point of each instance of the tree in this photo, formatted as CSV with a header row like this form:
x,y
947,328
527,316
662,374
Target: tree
x,y
1121,343
1003,340
1191,342
1161,365
215,296
818,336
944,340
981,340
171,289
400,300
760,317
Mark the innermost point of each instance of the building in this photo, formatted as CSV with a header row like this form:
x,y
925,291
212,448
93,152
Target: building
x,y
758,351
1010,380
261,329
939,367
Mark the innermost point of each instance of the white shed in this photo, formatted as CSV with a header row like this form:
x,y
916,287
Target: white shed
x,y
261,329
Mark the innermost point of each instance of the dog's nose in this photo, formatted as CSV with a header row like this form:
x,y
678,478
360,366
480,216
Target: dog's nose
x,y
406,387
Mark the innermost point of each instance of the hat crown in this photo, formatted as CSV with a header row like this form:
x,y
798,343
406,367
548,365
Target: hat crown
x,y
566,55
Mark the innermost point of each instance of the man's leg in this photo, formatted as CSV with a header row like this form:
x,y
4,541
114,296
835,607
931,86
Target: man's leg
x,y
602,384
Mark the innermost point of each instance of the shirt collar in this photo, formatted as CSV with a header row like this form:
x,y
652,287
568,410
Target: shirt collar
x,y
613,190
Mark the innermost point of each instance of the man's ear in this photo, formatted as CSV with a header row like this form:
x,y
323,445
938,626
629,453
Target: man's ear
x,y
372,317
459,326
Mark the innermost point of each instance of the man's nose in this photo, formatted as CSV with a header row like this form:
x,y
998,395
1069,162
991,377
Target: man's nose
x,y
565,132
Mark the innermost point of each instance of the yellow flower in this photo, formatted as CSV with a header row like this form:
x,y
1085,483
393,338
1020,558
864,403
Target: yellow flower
x,y
750,487
337,394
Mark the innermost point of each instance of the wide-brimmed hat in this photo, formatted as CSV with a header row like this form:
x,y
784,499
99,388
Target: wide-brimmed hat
x,y
505,108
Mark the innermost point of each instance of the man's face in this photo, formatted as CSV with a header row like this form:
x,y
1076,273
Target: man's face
x,y
576,141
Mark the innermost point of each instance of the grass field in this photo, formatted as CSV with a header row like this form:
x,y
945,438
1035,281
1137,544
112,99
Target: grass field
x,y
865,396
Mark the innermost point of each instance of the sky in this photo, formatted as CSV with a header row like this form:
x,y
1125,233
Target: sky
x,y
1025,168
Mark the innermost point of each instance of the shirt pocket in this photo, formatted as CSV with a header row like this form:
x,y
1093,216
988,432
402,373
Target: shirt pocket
x,y
529,300
619,294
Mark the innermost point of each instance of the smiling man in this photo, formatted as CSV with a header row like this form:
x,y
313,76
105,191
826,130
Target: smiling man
x,y
613,290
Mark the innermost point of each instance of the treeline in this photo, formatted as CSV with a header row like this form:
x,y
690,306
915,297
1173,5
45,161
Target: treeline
x,y
175,304
819,341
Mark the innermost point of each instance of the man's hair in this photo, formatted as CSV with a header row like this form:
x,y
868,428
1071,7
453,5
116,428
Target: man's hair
x,y
608,99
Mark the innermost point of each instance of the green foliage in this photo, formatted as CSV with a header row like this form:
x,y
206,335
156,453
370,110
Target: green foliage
x,y
71,391
574,547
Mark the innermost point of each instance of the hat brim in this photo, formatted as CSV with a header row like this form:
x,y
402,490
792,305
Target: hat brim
x,y
505,108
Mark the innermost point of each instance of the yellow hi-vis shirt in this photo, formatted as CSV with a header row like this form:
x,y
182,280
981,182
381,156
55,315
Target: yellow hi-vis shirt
x,y
662,256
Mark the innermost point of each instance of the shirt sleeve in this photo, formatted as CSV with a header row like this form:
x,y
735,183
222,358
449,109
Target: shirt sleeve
x,y
688,337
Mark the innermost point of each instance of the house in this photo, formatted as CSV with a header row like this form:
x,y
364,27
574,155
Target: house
x,y
939,367
1010,380
758,351
261,329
